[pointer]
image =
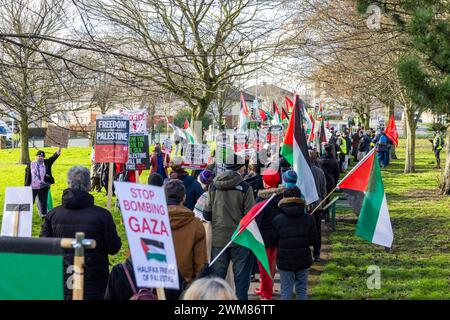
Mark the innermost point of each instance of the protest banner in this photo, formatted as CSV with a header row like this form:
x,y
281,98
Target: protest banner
x,y
17,212
138,158
112,134
146,220
167,146
196,156
56,136
224,148
138,120
111,138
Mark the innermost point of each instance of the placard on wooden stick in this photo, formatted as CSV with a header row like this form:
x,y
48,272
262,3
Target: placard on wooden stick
x,y
56,136
17,212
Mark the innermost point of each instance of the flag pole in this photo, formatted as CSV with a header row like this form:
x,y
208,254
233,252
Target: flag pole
x,y
237,233
351,171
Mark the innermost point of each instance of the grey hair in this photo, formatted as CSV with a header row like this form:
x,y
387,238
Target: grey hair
x,y
212,288
78,178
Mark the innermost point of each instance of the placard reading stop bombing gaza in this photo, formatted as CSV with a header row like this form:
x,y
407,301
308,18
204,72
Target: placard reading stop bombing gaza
x,y
146,220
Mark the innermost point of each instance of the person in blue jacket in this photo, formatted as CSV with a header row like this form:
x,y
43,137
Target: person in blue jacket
x,y
383,150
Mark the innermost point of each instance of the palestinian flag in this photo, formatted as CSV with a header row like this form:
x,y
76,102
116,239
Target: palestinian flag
x,y
49,201
391,131
295,151
284,115
248,235
364,186
289,103
262,114
276,114
153,250
188,132
244,114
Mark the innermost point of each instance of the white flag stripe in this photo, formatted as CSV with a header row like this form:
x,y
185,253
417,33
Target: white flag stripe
x,y
383,234
254,230
305,180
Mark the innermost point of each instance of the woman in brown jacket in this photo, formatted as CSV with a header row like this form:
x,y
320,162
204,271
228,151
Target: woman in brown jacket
x,y
188,234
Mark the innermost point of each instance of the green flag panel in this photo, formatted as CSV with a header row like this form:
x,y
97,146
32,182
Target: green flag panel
x,y
31,276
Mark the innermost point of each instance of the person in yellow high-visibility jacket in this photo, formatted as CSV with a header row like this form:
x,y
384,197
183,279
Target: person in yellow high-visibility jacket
x,y
342,152
438,145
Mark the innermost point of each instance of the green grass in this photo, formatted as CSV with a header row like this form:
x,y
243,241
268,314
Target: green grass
x,y
416,268
418,265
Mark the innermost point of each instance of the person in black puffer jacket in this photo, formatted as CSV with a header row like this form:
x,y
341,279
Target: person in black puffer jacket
x,y
254,178
330,167
79,214
294,233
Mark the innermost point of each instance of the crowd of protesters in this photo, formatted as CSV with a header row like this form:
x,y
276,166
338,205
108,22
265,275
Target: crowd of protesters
x,y
205,208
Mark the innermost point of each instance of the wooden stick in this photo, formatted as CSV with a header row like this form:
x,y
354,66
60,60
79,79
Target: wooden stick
x,y
161,293
328,195
16,223
110,184
78,278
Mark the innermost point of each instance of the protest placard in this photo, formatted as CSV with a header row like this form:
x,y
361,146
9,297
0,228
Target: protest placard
x,y
138,120
196,156
56,136
146,220
111,138
240,143
138,158
167,146
17,212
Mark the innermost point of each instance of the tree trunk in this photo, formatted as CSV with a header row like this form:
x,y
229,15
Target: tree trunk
x,y
445,186
24,151
410,161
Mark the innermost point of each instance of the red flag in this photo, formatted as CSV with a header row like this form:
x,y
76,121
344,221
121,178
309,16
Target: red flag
x,y
275,108
391,131
289,103
284,115
186,124
263,115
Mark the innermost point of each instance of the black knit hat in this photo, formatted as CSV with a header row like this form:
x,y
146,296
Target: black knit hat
x,y
40,153
155,179
234,162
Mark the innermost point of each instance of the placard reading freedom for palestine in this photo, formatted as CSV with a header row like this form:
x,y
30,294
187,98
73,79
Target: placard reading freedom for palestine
x,y
111,138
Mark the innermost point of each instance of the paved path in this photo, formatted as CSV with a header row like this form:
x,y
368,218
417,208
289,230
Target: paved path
x,y
314,272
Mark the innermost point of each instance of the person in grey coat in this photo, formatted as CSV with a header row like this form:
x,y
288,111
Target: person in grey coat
x,y
321,186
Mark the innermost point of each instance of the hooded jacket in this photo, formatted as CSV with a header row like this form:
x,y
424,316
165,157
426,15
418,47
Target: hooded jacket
x,y
330,167
229,199
264,220
194,189
79,214
294,233
189,239
255,181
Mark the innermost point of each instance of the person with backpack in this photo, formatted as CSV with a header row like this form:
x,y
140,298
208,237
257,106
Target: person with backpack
x,y
383,149
294,233
122,285
438,145
188,233
38,175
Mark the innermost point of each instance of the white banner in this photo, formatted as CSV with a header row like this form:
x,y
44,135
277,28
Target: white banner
x,y
17,212
196,156
146,220
166,146
138,120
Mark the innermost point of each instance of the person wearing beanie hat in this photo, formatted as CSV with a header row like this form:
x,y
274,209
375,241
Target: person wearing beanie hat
x,y
155,179
187,232
205,178
229,199
38,175
294,233
290,179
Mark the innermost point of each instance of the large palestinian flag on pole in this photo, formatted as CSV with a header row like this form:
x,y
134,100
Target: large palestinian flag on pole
x,y
295,151
364,186
248,235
